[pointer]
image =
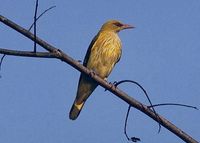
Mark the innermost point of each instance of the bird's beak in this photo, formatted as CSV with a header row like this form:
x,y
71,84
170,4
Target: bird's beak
x,y
127,26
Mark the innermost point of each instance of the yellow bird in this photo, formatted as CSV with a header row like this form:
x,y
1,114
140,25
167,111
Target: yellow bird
x,y
102,55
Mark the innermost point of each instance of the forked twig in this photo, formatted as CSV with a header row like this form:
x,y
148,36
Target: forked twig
x,y
41,16
134,139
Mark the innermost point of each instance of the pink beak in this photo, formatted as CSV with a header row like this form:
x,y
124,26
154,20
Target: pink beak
x,y
127,26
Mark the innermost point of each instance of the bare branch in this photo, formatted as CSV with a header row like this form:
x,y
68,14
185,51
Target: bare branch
x,y
28,53
116,91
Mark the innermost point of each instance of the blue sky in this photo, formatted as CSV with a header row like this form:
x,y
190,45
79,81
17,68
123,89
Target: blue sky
x,y
161,53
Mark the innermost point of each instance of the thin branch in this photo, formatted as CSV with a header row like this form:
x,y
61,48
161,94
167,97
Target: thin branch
x,y
35,26
126,121
41,15
28,53
145,93
173,104
1,61
116,91
133,139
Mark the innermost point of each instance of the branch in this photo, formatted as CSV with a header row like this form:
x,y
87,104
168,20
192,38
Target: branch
x,y
28,53
116,91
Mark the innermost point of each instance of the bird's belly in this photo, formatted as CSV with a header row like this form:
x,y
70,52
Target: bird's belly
x,y
104,62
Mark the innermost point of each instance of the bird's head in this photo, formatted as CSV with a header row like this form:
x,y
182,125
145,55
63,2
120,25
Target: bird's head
x,y
115,26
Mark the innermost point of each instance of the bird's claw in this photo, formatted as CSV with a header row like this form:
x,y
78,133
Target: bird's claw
x,y
112,85
92,73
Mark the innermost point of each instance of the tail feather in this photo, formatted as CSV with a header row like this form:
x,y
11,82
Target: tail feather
x,y
75,111
85,88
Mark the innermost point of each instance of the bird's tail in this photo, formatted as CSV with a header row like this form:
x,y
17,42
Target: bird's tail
x,y
75,110
85,88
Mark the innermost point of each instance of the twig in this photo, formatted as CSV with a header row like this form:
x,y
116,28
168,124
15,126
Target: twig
x,y
35,19
1,61
41,15
145,93
116,91
133,139
174,104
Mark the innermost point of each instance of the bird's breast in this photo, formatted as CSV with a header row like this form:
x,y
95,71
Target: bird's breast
x,y
105,52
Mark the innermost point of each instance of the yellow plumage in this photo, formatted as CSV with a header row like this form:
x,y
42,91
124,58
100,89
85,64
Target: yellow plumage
x,y
103,53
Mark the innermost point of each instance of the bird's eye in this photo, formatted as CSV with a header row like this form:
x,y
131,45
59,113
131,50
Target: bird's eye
x,y
118,24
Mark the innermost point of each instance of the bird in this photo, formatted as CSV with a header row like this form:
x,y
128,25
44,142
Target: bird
x,y
103,53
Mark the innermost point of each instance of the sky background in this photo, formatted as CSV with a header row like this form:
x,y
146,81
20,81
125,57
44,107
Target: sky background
x,y
162,53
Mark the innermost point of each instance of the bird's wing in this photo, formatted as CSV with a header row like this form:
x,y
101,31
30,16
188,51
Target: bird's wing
x,y
119,56
89,51
86,85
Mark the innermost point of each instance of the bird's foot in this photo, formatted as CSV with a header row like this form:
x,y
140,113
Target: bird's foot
x,y
112,85
92,73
